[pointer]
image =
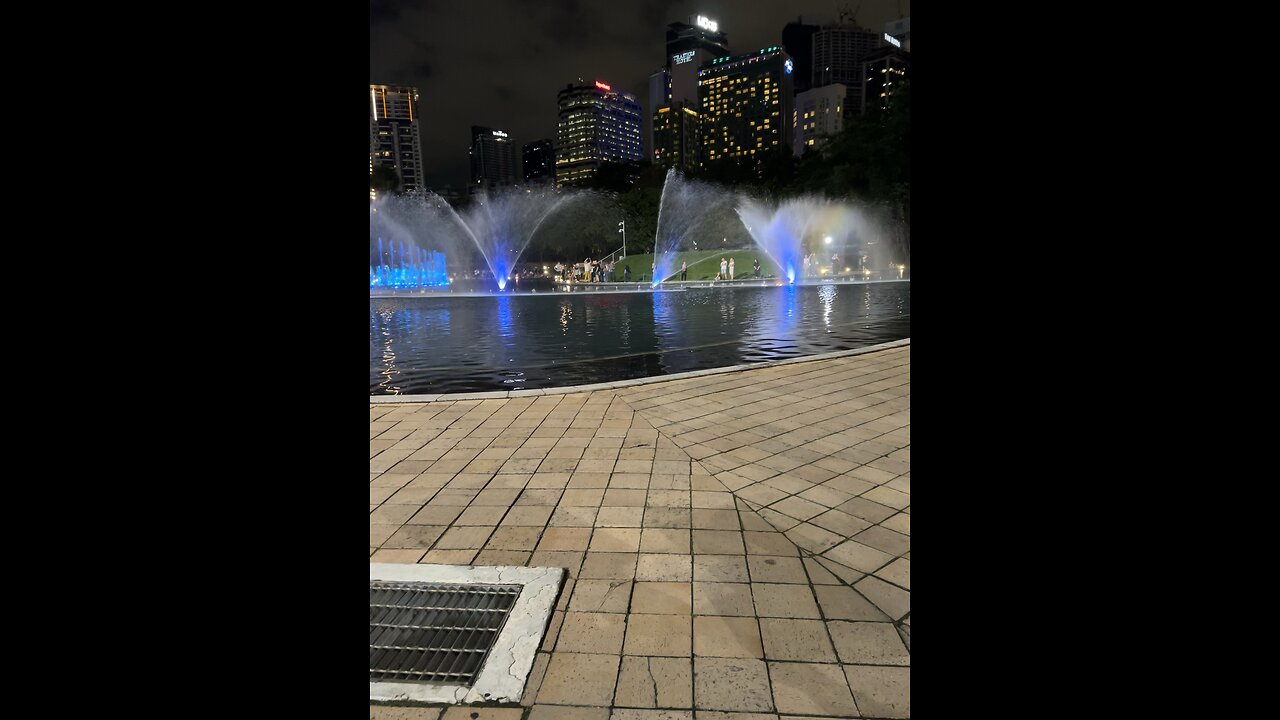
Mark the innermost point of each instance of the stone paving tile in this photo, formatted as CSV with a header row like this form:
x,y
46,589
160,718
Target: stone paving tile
x,y
717,636
811,689
785,601
577,679
655,682
591,632
881,691
770,569
666,635
731,684
800,640
668,504
662,598
611,566
869,643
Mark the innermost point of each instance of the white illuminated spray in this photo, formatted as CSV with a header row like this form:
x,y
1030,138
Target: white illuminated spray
x,y
499,227
683,206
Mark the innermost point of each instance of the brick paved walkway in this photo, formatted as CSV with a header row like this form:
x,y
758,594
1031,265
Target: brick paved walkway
x,y
738,545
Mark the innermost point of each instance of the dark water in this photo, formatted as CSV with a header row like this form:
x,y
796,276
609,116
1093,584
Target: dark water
x,y
508,342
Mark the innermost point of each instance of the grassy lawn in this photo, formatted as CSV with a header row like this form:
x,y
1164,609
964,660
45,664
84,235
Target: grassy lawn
x,y
703,264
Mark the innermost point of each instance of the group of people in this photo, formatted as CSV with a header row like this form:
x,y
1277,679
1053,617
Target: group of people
x,y
813,265
586,271
727,269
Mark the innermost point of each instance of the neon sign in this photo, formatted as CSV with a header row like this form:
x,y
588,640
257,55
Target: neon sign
x,y
682,58
499,133
601,85
893,40
707,24
787,66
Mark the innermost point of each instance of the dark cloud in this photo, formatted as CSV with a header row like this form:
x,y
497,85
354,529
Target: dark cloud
x,y
500,63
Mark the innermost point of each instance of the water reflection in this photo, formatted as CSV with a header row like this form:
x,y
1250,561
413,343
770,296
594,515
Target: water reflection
x,y
459,344
827,294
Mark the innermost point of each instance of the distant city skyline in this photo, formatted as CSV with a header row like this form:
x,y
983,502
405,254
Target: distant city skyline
x,y
501,63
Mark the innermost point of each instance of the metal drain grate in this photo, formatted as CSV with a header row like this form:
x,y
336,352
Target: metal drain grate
x,y
434,632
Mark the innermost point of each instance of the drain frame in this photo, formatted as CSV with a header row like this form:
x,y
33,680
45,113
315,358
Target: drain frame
x,y
506,668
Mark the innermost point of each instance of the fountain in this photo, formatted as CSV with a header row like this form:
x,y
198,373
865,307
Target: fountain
x,y
406,266
791,230
685,205
498,227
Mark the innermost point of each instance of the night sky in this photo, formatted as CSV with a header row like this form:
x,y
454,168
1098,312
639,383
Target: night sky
x,y
500,63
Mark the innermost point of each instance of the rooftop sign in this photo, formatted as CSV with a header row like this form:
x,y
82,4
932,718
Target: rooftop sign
x,y
707,24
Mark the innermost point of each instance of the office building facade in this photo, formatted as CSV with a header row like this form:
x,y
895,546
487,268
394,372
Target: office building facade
x,y
493,159
394,137
797,40
819,114
883,71
597,124
838,53
677,131
746,106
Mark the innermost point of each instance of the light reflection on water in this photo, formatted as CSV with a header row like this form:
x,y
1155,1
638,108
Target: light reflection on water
x,y
461,344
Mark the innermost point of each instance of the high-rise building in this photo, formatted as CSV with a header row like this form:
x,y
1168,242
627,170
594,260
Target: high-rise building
x,y
797,40
746,106
597,125
493,159
676,134
838,52
659,95
883,71
901,31
819,114
690,46
393,133
539,162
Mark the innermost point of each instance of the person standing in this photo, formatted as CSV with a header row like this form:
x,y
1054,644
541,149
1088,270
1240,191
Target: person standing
x,y
835,264
684,270
724,268
626,273
730,268
755,267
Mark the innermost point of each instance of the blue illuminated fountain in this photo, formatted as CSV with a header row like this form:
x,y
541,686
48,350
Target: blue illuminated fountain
x,y
502,225
792,229
413,234
403,266
780,232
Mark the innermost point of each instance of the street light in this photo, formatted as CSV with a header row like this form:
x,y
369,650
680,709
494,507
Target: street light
x,y
622,228
827,239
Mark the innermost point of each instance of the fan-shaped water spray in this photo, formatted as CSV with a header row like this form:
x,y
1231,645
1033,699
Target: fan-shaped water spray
x,y
686,208
814,228
498,227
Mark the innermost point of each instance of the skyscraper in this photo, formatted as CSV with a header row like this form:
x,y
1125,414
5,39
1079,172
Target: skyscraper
x,y
597,125
677,131
539,162
393,133
746,106
838,53
659,95
883,71
901,31
493,159
819,114
797,40
690,46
